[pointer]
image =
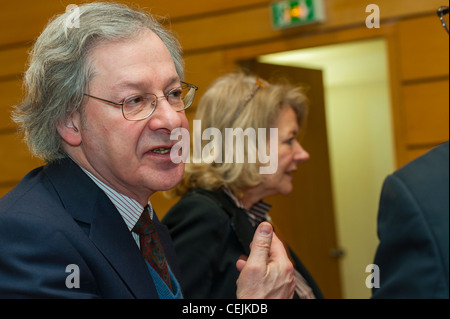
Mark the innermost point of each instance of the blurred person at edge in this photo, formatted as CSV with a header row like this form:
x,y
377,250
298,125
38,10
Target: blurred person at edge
x,y
413,225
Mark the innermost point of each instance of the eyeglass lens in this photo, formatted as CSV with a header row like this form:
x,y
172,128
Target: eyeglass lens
x,y
142,105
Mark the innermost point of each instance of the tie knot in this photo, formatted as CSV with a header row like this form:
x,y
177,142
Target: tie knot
x,y
144,225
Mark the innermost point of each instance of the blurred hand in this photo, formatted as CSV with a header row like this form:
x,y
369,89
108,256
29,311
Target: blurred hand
x,y
268,272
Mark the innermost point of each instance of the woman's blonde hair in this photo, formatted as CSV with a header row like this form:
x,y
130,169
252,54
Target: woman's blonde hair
x,y
242,101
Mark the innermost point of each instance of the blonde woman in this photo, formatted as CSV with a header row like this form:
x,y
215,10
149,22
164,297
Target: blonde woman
x,y
221,203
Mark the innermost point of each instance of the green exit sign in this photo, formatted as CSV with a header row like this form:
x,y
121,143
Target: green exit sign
x,y
296,12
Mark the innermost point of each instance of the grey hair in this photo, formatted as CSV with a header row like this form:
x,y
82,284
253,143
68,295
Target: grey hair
x,y
59,70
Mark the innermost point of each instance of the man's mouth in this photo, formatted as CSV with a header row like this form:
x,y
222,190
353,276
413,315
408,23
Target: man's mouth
x,y
162,150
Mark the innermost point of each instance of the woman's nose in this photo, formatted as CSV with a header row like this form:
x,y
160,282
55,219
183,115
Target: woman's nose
x,y
301,154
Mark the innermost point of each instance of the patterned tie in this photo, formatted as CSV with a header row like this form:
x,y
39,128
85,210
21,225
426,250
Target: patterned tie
x,y
151,247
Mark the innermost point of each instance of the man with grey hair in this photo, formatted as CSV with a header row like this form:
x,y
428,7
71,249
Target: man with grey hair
x,y
101,101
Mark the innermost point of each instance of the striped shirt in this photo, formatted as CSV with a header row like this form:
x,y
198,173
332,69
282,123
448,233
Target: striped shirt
x,y
129,208
258,213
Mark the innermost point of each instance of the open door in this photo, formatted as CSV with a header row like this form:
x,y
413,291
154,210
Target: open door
x,y
305,218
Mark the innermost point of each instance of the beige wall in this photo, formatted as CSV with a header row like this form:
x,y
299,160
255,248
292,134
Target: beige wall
x,y
361,154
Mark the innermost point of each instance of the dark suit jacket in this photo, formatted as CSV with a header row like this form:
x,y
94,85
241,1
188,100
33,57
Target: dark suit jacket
x,y
210,233
413,227
57,216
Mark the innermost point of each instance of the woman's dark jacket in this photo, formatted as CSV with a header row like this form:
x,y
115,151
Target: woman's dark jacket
x,y
210,233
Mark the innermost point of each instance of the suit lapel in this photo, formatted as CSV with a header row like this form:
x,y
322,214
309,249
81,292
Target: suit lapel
x,y
112,237
108,232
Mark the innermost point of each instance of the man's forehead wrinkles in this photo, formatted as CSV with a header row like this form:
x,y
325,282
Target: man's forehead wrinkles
x,y
145,85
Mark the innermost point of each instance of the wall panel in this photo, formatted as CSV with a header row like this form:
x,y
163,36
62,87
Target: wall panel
x,y
424,50
10,93
427,112
16,160
203,68
13,60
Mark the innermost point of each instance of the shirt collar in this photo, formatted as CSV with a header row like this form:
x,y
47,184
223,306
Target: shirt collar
x,y
257,213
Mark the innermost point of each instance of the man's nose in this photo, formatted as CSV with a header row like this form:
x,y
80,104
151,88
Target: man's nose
x,y
165,116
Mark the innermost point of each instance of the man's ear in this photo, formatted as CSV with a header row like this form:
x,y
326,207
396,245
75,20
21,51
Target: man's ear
x,y
69,129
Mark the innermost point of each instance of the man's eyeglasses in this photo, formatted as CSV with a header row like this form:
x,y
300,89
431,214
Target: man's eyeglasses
x,y
140,106
442,13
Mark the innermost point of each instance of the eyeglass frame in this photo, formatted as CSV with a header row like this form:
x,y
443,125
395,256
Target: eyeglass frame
x,y
441,12
183,84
